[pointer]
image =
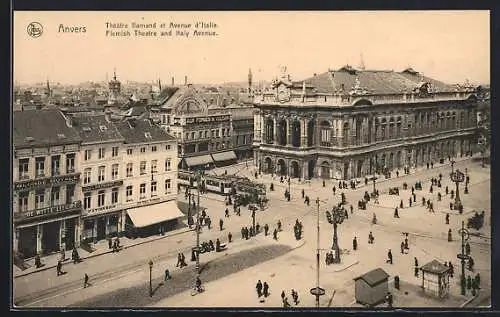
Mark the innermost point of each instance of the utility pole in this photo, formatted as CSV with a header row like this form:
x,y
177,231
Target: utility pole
x,y
317,291
462,256
198,226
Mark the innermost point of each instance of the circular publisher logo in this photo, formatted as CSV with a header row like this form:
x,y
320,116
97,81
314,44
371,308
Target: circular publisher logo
x,y
34,29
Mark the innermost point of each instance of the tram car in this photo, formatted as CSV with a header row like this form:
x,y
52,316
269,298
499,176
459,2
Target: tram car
x,y
211,183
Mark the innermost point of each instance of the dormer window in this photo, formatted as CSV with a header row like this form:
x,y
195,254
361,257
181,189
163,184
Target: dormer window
x,y
103,128
147,135
61,136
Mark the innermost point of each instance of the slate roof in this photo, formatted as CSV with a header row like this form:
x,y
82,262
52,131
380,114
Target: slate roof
x,y
435,267
134,131
375,81
42,128
95,128
373,277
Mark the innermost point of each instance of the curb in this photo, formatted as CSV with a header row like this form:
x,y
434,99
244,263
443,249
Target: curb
x,y
346,267
102,253
469,300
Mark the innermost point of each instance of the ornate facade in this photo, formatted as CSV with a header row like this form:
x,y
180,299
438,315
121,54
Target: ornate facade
x,y
353,123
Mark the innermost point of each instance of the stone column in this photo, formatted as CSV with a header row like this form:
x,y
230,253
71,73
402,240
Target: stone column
x,y
305,170
288,132
39,235
275,139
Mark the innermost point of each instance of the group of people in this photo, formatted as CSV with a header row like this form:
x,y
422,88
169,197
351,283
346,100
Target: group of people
x,y
295,297
114,244
297,228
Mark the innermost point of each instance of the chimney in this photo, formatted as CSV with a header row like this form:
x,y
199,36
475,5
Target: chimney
x,y
173,81
185,80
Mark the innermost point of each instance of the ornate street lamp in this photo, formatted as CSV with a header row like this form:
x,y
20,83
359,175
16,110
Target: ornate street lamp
x,y
336,217
150,278
457,177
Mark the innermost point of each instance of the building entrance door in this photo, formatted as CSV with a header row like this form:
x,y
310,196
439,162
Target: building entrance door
x,y
101,228
27,242
50,237
70,234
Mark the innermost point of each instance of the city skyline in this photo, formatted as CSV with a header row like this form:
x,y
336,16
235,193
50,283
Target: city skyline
x,y
437,44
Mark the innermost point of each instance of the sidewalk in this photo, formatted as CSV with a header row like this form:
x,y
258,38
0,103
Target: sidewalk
x,y
100,248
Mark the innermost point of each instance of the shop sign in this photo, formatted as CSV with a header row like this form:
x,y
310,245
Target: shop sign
x,y
48,181
195,120
102,185
48,210
148,201
100,209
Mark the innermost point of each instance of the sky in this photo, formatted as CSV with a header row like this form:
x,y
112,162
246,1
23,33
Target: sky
x,y
450,46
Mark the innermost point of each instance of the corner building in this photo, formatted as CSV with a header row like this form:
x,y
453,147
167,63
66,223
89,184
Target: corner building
x,y
351,123
46,208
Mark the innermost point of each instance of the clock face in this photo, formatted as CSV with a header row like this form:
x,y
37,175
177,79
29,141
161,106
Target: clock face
x,y
283,94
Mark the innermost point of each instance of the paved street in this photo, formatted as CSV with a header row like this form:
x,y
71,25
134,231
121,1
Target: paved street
x,y
285,270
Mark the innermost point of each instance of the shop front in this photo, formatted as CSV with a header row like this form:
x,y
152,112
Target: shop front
x,y
149,220
98,226
45,231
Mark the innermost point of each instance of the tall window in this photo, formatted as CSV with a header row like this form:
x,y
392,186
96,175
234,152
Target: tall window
x,y
142,191
130,171
129,151
102,153
200,134
87,200
153,189
154,166
54,196
55,165
114,151
100,198
70,193
87,175
24,168
153,148
39,198
168,185
129,193
70,163
88,155
168,164
40,166
167,147
23,201
143,150
101,174
143,168
114,171
114,195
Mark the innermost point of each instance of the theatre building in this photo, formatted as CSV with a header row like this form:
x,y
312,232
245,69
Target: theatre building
x,y
351,123
46,208
149,178
101,165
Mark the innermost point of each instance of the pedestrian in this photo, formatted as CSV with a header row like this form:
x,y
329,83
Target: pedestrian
x,y
449,235
388,299
432,164
354,244
389,257
370,238
179,260
59,268
286,303
265,289
397,173
110,243
324,183
427,165
401,204
229,237
467,248
396,214
266,229
303,193
167,275
275,234
209,222
295,296
416,267
283,295
333,190
221,224
226,215
406,243
351,209
183,260
447,218
409,201
86,281
477,278
446,190
451,268
402,247
259,288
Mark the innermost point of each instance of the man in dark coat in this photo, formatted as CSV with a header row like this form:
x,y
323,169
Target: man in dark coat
x,y
416,267
59,268
229,237
354,244
221,224
86,281
389,257
266,229
447,219
259,288
396,214
167,275
265,289
275,234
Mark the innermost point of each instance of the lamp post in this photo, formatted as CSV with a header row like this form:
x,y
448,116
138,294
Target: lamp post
x,y
462,256
457,177
317,291
150,278
198,225
336,217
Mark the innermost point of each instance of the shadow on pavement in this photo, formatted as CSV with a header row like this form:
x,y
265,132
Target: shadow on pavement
x,y
138,295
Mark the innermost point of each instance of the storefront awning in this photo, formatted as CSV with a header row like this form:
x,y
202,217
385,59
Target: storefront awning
x,y
224,156
199,160
153,214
